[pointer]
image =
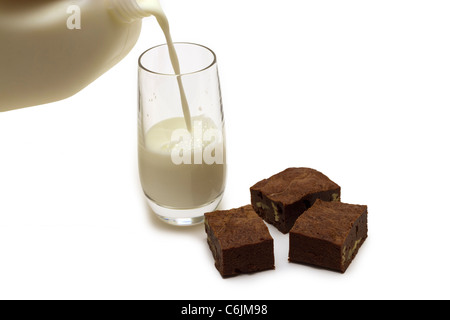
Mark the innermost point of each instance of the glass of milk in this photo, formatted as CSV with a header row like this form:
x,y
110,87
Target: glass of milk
x,y
182,158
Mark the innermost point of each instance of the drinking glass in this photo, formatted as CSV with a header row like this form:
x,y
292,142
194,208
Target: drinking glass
x,y
182,158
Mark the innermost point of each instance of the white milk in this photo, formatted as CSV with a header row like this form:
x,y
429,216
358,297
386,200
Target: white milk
x,y
187,170
169,181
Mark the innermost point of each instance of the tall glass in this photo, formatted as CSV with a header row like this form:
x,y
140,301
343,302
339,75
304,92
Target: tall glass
x,y
182,158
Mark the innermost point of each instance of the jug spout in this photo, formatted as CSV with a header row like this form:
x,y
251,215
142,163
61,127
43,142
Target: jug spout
x,y
131,10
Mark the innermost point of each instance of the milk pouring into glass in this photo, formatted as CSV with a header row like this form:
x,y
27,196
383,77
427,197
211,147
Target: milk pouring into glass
x,y
55,48
182,159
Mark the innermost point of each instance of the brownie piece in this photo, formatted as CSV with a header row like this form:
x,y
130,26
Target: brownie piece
x,y
282,198
328,235
239,240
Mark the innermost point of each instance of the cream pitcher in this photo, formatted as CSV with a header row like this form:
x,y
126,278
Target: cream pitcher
x,y
52,49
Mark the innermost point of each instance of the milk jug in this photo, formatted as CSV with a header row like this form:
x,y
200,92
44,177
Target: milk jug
x,y
52,49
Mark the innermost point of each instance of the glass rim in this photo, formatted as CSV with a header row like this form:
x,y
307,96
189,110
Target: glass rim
x,y
141,65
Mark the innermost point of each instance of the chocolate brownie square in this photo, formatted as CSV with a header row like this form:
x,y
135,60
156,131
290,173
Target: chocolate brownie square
x,y
282,198
328,235
239,240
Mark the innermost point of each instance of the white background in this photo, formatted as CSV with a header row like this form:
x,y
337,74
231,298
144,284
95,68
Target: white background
x,y
356,89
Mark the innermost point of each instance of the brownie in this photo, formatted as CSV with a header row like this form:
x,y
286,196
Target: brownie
x,y
328,235
282,198
239,240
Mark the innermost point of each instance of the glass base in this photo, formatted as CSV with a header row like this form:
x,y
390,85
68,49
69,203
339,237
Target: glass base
x,y
183,217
